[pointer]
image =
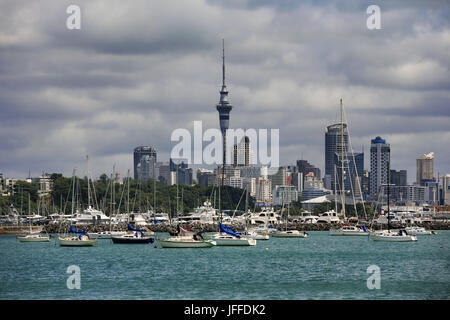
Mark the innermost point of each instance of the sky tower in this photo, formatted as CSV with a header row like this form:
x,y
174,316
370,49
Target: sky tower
x,y
224,108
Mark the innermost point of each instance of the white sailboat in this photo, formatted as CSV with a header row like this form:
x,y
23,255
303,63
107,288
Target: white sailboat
x,y
82,240
33,237
186,239
346,230
288,233
389,235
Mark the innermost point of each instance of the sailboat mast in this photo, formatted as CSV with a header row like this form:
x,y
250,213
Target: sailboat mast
x,y
388,199
89,186
342,163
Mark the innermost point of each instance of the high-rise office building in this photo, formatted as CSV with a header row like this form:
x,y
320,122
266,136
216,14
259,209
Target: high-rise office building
x,y
380,155
140,152
446,189
242,153
336,141
425,168
305,167
353,171
146,168
398,178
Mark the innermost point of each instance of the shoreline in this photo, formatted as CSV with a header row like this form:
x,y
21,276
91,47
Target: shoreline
x,y
60,228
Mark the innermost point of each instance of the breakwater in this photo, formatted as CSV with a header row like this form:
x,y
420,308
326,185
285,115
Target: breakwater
x,y
172,229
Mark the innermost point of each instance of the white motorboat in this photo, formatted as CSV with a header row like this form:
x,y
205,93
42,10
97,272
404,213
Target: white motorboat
x,y
253,234
105,234
289,234
330,216
225,239
419,231
349,231
393,236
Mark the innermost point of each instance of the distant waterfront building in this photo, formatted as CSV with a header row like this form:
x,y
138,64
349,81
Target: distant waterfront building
x,y
425,168
242,153
380,155
235,182
45,184
279,178
205,177
353,172
446,189
146,168
9,186
285,194
398,178
139,153
305,167
163,172
310,193
263,190
334,144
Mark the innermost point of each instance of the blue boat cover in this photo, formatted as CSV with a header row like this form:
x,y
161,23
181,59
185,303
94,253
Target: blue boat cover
x,y
228,230
76,231
364,228
133,229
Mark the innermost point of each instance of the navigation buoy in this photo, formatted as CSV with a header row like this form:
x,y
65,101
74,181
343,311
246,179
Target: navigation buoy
x,y
442,246
155,247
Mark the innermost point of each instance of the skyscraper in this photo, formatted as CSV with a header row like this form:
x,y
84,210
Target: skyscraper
x,y
333,145
380,155
140,152
242,153
224,108
425,168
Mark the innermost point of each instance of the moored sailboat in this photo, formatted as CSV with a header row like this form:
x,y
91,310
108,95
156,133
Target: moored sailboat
x,y
81,240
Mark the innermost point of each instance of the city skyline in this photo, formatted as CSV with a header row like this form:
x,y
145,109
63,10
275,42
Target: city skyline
x,y
106,89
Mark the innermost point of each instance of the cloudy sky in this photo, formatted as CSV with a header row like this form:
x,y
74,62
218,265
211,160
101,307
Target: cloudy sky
x,y
137,70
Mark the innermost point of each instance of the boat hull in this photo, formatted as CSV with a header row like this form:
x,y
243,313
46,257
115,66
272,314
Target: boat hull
x,y
76,243
235,242
289,235
393,238
28,239
105,235
186,244
143,240
339,232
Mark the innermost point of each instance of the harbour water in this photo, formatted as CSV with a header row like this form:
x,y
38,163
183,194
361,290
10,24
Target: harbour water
x,y
317,267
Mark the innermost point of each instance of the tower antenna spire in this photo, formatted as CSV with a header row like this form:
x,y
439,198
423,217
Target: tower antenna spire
x,y
223,62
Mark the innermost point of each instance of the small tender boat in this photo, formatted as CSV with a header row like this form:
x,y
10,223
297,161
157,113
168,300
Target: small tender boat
x,y
289,234
393,236
34,238
349,231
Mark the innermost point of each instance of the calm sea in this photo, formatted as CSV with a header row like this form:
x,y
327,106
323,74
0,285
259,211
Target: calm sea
x,y
318,267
